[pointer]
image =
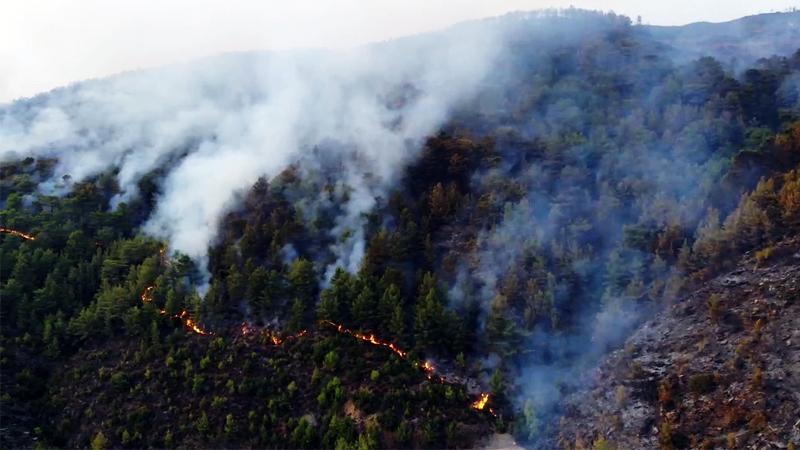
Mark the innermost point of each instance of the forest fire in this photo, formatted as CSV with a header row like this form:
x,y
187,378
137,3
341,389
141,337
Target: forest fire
x,y
27,237
147,295
429,369
374,341
427,366
246,329
183,316
190,323
481,402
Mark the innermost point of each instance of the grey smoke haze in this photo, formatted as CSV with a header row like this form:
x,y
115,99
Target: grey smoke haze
x,y
220,123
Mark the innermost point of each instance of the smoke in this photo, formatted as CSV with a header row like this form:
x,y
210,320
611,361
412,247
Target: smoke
x,y
608,112
608,138
217,125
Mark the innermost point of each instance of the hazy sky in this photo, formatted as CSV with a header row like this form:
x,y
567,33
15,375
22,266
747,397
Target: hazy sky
x,y
49,43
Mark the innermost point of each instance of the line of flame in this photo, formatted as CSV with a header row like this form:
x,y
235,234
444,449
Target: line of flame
x,y
183,316
17,233
371,339
427,366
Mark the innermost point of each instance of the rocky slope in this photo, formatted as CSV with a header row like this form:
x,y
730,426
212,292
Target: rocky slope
x,y
719,369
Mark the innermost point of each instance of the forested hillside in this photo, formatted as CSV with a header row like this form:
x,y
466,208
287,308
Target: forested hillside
x,y
594,176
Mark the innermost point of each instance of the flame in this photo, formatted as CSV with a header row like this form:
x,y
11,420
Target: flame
x,y
191,324
427,366
369,338
27,237
429,369
183,316
481,402
147,295
247,329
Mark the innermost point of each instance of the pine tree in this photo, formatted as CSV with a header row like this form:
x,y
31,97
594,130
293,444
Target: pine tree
x,y
428,323
390,299
397,324
364,307
335,300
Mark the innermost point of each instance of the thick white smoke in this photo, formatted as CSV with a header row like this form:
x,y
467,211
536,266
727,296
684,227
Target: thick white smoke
x,y
220,123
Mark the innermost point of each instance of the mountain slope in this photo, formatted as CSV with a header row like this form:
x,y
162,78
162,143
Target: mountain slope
x,y
719,369
462,223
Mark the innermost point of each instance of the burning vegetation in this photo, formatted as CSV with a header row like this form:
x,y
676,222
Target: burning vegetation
x,y
481,402
371,338
17,233
273,336
425,366
183,316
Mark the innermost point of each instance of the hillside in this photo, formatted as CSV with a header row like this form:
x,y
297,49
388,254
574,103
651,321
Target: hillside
x,y
419,243
719,369
737,43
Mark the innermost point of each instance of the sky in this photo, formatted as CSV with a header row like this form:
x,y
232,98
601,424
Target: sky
x,y
50,43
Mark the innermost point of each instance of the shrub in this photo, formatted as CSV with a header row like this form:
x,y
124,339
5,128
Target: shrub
x,y
758,378
100,441
331,358
119,380
621,395
701,383
601,444
665,435
202,424
764,254
230,425
665,393
758,421
714,306
218,402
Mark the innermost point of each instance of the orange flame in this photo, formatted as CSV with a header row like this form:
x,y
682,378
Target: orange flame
x,y
183,316
276,338
427,366
369,338
191,324
17,233
147,295
481,402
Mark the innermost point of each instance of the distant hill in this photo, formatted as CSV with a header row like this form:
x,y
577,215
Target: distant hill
x,y
737,43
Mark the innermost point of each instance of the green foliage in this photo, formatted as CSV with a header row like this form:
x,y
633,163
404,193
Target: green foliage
x,y
100,441
330,361
230,425
202,424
